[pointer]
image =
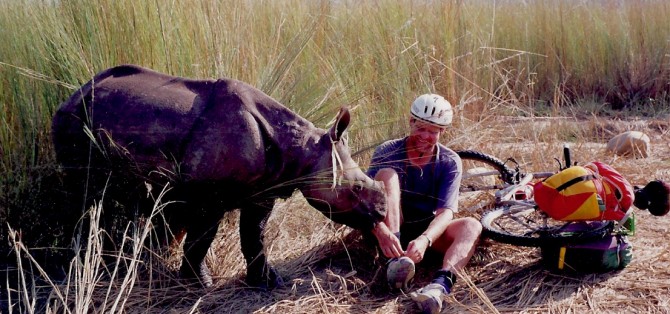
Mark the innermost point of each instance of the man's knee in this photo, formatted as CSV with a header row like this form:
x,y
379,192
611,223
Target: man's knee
x,y
467,227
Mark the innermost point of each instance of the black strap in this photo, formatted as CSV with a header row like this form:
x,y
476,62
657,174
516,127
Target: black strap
x,y
574,181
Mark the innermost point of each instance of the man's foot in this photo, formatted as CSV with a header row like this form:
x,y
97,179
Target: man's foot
x,y
429,298
400,272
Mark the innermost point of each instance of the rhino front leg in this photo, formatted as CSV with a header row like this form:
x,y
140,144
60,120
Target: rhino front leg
x,y
252,222
200,232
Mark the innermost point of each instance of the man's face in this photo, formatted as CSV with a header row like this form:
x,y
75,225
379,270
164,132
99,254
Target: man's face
x,y
424,136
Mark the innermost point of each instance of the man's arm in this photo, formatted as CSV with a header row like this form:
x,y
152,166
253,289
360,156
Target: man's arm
x,y
385,231
417,248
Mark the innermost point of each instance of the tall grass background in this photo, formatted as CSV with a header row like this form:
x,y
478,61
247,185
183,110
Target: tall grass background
x,y
509,57
489,58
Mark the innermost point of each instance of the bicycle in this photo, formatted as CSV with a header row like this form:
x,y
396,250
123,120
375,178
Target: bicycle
x,y
515,218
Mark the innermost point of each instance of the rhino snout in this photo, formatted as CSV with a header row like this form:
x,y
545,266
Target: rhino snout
x,y
378,200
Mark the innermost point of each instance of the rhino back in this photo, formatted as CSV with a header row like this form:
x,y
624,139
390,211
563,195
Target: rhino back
x,y
133,112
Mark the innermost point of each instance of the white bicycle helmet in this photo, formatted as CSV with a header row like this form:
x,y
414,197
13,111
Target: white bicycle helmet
x,y
433,109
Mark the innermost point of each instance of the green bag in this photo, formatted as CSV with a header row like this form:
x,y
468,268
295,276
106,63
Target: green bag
x,y
598,256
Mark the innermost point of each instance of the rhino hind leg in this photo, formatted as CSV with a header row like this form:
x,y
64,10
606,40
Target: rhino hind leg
x,y
252,222
119,205
84,189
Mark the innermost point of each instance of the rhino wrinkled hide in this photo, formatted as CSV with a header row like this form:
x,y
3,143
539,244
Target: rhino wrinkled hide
x,y
218,145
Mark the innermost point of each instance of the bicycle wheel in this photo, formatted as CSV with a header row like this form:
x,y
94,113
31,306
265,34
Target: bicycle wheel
x,y
482,175
524,226
495,169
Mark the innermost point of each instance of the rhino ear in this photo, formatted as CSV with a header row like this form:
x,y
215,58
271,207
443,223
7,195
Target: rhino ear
x,y
341,124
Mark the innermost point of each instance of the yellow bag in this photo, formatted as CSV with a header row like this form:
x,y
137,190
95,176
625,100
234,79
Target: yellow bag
x,y
593,192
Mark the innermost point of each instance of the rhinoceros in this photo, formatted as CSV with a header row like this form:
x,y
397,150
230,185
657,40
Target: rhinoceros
x,y
220,145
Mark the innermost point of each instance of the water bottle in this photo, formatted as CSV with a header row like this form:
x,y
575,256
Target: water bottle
x,y
629,225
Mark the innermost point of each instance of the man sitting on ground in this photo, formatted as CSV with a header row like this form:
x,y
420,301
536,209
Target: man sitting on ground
x,y
421,179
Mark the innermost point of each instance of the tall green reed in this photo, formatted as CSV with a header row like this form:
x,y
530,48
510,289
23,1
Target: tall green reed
x,y
487,58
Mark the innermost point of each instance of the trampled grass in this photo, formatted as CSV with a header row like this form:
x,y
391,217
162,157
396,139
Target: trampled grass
x,y
528,59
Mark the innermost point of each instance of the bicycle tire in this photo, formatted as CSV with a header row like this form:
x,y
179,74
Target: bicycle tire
x,y
520,226
507,175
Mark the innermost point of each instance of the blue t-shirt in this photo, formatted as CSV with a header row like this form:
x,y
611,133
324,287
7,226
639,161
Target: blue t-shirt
x,y
425,189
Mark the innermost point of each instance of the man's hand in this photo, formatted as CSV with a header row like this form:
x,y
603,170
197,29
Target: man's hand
x,y
388,242
417,248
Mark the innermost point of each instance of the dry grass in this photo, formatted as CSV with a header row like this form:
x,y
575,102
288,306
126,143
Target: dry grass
x,y
329,269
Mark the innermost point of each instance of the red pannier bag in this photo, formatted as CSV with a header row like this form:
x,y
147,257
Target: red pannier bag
x,y
595,191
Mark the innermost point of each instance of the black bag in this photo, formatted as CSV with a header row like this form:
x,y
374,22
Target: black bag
x,y
598,256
